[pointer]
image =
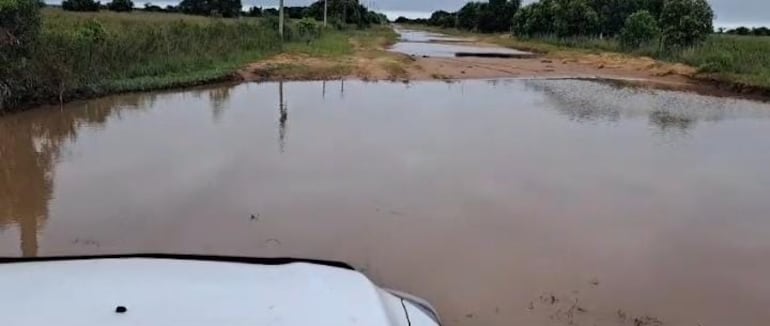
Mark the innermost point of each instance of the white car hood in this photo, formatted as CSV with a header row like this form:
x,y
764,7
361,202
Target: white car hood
x,y
172,292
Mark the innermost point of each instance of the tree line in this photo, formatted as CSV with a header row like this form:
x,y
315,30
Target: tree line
x,y
667,23
745,31
340,11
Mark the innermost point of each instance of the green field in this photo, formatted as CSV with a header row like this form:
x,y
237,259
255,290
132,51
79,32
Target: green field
x,y
744,60
87,54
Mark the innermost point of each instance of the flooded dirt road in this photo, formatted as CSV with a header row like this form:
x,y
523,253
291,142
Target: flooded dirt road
x,y
517,202
438,56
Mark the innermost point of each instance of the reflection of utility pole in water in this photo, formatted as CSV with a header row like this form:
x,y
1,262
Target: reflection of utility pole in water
x,y
342,87
28,228
283,109
323,89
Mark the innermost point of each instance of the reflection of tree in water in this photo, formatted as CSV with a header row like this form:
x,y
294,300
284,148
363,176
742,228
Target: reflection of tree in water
x,y
218,98
30,145
667,120
668,111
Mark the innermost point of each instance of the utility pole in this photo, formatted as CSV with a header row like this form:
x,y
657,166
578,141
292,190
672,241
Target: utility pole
x,y
326,12
280,19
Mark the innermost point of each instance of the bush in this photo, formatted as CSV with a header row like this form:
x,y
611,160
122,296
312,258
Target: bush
x,y
716,62
640,28
121,5
686,23
19,31
308,29
80,5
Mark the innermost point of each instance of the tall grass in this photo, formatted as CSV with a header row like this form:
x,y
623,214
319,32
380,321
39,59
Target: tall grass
x,y
742,59
85,54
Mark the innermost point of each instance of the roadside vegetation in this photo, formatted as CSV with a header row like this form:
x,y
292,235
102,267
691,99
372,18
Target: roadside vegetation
x,y
679,31
52,55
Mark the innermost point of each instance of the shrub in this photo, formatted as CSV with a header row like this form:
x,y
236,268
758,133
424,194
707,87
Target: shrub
x,y
121,5
308,29
80,5
686,23
19,26
19,31
640,28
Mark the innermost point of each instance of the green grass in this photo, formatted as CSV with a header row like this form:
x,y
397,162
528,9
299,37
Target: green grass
x,y
741,59
88,54
332,44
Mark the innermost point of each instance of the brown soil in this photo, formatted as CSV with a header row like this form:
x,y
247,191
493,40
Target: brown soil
x,y
379,64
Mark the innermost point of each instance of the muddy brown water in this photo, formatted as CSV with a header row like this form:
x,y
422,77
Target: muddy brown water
x,y
519,202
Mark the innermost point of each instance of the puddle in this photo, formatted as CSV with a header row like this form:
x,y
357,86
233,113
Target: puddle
x,y
407,35
426,44
502,202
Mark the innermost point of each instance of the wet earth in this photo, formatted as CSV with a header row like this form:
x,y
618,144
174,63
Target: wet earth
x,y
504,202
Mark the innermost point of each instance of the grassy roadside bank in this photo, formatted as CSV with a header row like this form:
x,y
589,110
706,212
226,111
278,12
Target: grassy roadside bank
x,y
356,53
738,63
81,55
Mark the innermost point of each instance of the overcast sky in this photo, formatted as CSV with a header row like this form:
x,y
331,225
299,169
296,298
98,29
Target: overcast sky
x,y
728,11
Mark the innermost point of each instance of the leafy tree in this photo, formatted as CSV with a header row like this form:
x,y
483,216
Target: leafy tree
x,y
613,13
741,31
121,5
486,17
227,8
575,18
761,31
295,12
655,7
468,16
497,15
224,8
347,11
195,7
686,22
152,8
535,19
442,18
640,28
270,12
80,5
254,12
